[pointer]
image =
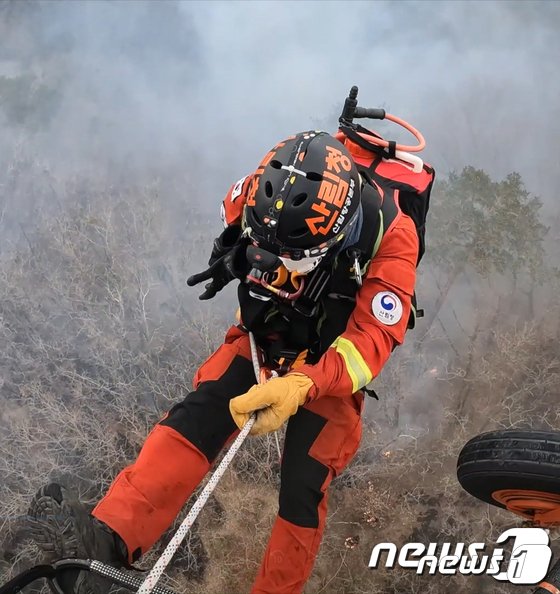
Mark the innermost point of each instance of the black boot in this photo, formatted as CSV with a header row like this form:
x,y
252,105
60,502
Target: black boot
x,y
64,528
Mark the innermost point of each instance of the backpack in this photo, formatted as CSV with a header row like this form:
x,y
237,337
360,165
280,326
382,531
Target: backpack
x,y
411,190
385,170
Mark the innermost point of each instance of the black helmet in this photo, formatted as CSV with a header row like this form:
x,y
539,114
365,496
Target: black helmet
x,y
304,197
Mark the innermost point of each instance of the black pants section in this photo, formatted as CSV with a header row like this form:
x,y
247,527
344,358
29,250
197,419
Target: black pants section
x,y
203,417
302,475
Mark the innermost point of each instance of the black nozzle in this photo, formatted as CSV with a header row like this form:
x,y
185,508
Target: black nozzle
x,y
374,113
351,110
350,104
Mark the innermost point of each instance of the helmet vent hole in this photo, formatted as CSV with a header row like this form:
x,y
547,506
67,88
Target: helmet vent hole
x,y
268,189
297,233
299,199
314,176
275,164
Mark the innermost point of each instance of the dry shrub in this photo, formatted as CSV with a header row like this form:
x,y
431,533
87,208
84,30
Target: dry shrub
x,y
97,340
98,336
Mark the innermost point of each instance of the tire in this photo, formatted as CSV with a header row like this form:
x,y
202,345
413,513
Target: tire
x,y
552,579
511,460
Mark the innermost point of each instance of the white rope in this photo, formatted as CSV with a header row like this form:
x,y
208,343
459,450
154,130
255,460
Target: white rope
x,y
278,445
255,357
257,369
157,570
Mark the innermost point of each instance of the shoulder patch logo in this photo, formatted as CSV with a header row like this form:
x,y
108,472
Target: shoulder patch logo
x,y
387,308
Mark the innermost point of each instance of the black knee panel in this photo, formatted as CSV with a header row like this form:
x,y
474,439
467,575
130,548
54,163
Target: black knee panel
x,y
302,475
203,417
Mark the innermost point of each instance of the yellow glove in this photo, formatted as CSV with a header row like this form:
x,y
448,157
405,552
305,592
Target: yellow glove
x,y
276,400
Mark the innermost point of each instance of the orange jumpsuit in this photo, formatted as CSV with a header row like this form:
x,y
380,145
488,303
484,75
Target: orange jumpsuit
x,y
321,438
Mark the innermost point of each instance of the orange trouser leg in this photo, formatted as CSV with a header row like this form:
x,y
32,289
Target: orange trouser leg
x,y
321,439
146,496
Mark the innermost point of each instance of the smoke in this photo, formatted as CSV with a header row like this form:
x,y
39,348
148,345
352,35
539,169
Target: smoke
x,y
208,87
194,93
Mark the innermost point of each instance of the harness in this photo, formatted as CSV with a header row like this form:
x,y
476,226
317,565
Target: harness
x,y
302,330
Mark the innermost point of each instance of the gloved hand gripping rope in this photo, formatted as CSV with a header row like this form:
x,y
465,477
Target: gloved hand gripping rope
x,y
156,572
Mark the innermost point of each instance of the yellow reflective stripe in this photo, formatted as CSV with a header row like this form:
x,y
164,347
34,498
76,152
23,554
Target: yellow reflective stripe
x,y
356,366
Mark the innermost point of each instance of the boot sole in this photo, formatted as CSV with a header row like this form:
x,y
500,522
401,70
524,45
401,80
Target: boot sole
x,y
51,526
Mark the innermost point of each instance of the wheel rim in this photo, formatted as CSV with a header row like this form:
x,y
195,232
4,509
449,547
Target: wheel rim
x,y
539,506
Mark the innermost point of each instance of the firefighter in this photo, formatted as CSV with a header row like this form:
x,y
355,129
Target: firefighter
x,y
326,263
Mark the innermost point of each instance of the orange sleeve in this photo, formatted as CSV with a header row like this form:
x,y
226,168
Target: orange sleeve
x,y
379,320
232,206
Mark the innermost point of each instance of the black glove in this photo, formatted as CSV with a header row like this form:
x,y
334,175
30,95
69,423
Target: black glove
x,y
221,274
225,242
227,261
